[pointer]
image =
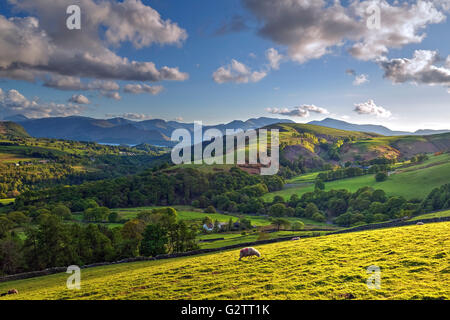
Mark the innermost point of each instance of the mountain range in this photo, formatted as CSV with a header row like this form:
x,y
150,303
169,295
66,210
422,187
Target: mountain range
x,y
123,131
158,132
371,128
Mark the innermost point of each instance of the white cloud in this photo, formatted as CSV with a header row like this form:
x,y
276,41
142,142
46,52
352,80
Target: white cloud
x,y
370,108
13,102
75,84
143,88
301,112
42,45
361,79
237,72
423,68
311,29
111,95
274,58
79,99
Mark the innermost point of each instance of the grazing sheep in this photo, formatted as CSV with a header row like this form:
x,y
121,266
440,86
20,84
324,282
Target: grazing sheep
x,y
420,223
295,239
249,252
12,291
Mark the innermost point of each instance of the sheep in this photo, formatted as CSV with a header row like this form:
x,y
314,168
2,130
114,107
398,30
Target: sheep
x,y
12,291
295,239
249,252
420,223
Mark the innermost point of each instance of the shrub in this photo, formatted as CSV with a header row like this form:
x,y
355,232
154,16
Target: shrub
x,y
381,176
277,210
210,209
298,225
113,217
62,211
317,216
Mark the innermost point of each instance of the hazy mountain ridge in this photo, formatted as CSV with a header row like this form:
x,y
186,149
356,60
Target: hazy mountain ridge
x,y
120,130
379,129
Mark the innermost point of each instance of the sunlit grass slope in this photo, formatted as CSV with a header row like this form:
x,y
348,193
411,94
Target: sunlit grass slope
x,y
412,182
414,264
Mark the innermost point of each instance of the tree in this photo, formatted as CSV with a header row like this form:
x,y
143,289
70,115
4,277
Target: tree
x,y
5,226
11,259
277,210
62,211
245,223
381,176
154,241
113,217
133,229
210,209
277,199
18,217
207,220
310,210
319,185
298,225
280,222
317,216
230,224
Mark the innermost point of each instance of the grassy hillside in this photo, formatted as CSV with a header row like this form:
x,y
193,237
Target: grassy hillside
x,y
12,129
440,214
29,163
316,145
411,182
414,264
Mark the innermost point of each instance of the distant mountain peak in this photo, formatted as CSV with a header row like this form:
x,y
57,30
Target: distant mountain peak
x,y
16,118
370,128
120,130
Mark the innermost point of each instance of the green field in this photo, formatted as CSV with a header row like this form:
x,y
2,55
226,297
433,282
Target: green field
x,y
187,213
307,177
237,238
6,201
414,264
440,214
411,182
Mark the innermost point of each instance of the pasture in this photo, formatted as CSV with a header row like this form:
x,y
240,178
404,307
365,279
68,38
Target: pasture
x,y
414,264
410,182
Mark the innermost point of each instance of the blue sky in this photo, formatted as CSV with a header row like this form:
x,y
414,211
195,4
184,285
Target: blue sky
x,y
322,81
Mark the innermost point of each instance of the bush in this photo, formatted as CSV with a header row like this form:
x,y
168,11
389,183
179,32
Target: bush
x,y
62,211
113,217
210,209
317,216
319,185
277,210
298,225
381,176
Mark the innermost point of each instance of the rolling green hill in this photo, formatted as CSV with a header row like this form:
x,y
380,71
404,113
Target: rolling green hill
x,y
412,182
413,262
12,129
314,146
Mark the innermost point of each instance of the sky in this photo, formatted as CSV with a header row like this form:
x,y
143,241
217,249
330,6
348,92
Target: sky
x,y
380,62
